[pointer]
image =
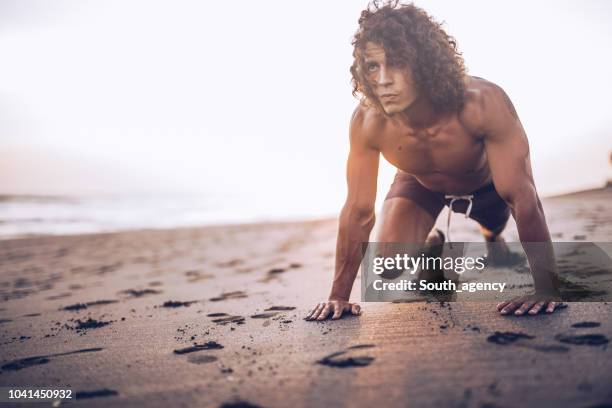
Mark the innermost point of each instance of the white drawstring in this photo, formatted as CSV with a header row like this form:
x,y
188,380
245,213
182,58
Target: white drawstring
x,y
454,198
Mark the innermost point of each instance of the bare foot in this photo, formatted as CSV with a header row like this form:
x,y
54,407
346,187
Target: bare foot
x,y
500,255
434,247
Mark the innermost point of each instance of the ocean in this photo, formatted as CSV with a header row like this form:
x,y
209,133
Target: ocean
x,y
32,215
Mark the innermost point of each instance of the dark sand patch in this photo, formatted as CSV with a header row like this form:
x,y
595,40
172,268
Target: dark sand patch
x,y
238,404
582,339
175,303
548,348
74,307
575,292
229,295
22,363
231,263
196,276
141,292
264,315
582,325
279,308
209,345
81,306
60,296
229,319
334,360
204,359
104,392
104,269
83,325
272,274
505,338
361,346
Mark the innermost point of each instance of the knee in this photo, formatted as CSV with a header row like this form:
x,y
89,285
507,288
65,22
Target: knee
x,y
491,233
402,220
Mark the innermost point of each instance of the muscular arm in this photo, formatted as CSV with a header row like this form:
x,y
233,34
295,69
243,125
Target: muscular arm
x,y
507,151
356,218
357,215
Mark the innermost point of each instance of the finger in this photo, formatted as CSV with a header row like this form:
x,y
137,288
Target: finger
x,y
501,305
510,307
312,312
551,307
356,309
315,312
524,308
536,308
324,313
337,312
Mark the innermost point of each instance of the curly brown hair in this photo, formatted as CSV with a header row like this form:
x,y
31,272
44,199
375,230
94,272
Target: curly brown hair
x,y
410,38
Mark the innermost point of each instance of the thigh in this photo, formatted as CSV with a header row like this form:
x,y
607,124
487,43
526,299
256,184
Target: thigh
x,y
493,216
403,220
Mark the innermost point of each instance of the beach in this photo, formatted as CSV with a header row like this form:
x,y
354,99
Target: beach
x,y
213,316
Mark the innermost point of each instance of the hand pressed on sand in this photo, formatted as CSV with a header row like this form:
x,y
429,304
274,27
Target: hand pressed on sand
x,y
333,308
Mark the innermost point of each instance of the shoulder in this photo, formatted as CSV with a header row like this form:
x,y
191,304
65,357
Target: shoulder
x,y
486,106
366,123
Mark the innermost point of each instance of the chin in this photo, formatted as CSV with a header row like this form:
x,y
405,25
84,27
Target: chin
x,y
390,110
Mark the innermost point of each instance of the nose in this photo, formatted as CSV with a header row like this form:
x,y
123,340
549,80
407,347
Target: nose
x,y
384,76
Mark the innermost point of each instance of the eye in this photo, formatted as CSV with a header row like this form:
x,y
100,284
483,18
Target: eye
x,y
371,67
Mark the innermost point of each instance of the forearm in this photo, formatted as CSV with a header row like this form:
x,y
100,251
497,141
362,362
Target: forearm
x,y
354,229
535,237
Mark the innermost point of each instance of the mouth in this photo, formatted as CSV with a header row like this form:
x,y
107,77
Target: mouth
x,y
388,96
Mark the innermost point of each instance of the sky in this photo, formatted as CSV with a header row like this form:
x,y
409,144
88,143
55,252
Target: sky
x,y
254,98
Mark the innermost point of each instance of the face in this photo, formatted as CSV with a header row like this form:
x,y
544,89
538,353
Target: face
x,y
393,86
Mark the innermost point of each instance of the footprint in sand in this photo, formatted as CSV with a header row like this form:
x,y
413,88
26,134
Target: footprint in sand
x,y
80,306
505,338
516,339
140,292
209,345
582,339
238,404
264,315
22,363
229,319
341,360
202,359
583,325
195,276
174,303
104,392
279,308
83,325
229,295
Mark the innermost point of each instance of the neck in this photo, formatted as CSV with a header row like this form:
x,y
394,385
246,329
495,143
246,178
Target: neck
x,y
420,114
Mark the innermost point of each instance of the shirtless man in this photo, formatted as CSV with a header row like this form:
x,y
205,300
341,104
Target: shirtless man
x,y
448,134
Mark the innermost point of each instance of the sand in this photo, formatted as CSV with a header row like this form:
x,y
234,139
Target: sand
x,y
213,317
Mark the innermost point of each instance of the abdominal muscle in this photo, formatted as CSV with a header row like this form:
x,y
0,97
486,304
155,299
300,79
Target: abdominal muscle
x,y
447,184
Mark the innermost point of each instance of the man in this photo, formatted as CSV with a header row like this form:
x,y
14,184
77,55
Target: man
x,y
449,134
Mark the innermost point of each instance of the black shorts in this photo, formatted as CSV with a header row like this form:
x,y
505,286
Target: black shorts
x,y
488,208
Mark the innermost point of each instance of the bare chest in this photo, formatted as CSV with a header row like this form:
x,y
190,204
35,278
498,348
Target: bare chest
x,y
447,150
